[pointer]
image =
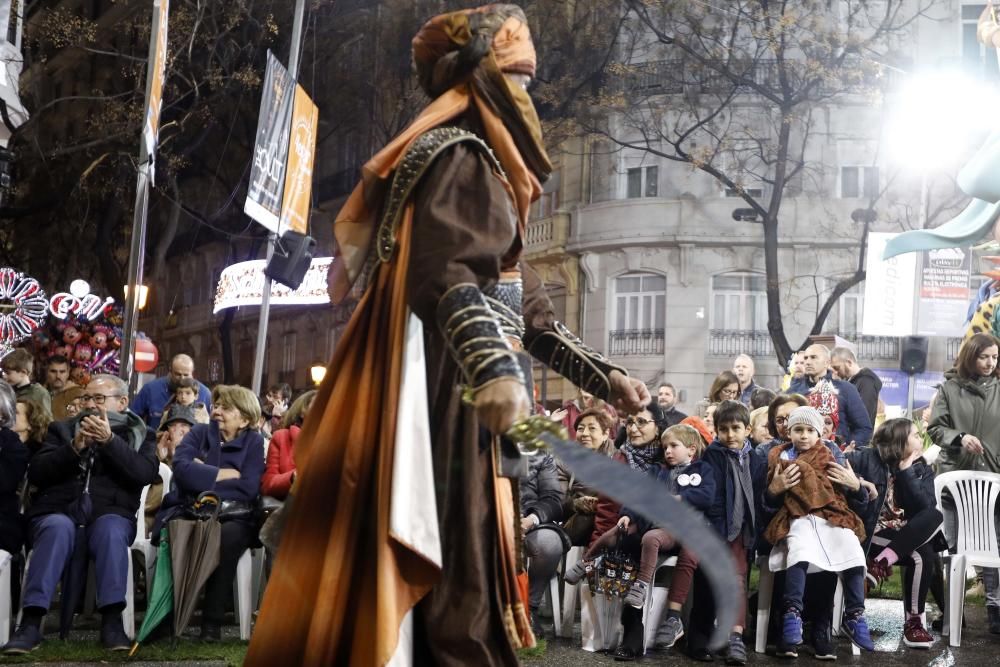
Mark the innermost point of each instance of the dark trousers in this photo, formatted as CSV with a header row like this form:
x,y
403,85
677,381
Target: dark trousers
x,y
52,540
817,608
854,587
237,537
912,543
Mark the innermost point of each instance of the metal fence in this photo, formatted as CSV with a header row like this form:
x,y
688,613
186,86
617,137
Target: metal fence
x,y
953,346
876,347
636,342
725,343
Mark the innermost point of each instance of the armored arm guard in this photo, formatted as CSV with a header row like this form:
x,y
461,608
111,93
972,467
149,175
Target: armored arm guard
x,y
474,337
560,349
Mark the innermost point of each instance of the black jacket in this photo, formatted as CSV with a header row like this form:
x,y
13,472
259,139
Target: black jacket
x,y
13,463
541,492
701,496
868,385
673,416
914,487
116,479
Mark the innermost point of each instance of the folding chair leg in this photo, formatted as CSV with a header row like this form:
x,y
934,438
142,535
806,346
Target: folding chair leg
x,y
128,614
956,598
554,599
838,608
243,593
5,601
570,595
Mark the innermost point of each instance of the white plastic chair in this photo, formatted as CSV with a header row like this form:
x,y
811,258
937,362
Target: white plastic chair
x,y
246,588
6,560
656,602
975,496
142,543
765,591
564,628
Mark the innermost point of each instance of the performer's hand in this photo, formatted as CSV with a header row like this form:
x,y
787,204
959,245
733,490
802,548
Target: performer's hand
x,y
500,404
628,395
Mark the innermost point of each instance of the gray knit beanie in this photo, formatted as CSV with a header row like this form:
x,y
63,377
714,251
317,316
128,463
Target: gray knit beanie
x,y
808,416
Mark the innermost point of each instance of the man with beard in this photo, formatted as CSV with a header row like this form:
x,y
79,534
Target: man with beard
x,y
666,396
154,396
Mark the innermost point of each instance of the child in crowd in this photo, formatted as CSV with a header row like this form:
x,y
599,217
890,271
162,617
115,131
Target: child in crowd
x,y
758,426
824,398
688,480
695,485
732,511
814,527
185,394
904,524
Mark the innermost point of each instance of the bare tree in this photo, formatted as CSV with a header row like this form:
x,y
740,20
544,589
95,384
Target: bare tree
x,y
747,84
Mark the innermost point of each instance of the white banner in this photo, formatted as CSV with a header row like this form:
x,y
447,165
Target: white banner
x,y
243,285
889,290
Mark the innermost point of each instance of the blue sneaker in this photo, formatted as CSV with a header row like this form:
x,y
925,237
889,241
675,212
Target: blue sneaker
x,y
791,635
857,630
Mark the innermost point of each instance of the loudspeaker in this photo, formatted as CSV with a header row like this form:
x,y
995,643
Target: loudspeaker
x,y
293,253
913,357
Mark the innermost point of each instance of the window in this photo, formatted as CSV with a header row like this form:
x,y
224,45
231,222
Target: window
x,y
858,182
640,301
978,59
845,317
548,202
288,353
756,193
739,302
643,182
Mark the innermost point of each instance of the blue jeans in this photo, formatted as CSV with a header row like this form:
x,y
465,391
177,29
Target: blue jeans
x,y
53,537
854,588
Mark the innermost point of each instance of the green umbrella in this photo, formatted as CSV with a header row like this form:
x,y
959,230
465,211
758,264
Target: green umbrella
x,y
161,600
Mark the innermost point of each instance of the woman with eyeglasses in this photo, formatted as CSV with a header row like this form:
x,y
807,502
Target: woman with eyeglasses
x,y
725,387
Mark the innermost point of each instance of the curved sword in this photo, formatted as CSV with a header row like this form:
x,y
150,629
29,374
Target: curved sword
x,y
650,498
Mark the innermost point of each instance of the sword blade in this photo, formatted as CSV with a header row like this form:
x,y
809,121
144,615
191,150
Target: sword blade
x,y
640,492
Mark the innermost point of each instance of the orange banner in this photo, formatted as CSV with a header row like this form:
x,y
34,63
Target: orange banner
x,y
297,198
154,77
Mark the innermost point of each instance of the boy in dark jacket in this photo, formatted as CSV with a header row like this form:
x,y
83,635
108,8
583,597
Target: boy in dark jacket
x,y
739,474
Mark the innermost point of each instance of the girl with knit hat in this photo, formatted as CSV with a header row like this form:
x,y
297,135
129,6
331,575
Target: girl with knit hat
x,y
814,528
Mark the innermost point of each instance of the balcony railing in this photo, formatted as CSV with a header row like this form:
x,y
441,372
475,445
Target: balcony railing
x,y
726,343
635,342
876,347
539,231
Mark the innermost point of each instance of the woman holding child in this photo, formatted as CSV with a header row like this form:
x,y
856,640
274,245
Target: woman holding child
x,y
965,423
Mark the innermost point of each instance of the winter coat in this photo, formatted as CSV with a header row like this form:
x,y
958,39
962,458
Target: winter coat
x,y
720,511
748,392
700,495
607,513
117,476
244,453
13,464
868,385
277,479
673,416
913,488
814,495
967,406
854,421
541,492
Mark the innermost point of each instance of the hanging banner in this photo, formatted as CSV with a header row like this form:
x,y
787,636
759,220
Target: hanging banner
x,y
270,151
889,288
297,200
154,80
944,292
243,285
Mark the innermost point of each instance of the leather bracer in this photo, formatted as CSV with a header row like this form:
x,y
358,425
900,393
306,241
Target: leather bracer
x,y
560,349
474,337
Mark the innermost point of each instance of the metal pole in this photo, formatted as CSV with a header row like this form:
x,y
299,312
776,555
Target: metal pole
x,y
136,264
918,275
265,302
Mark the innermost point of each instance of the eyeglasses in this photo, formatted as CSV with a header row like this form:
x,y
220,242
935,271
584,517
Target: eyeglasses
x,y
781,420
638,421
728,392
98,399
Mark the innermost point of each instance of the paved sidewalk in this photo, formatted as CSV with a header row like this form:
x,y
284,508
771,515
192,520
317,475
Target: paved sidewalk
x,y
884,616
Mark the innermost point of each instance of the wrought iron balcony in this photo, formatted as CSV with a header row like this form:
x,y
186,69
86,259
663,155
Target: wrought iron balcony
x,y
635,342
730,343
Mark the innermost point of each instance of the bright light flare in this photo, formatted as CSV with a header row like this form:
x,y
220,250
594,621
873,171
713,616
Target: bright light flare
x,y
936,117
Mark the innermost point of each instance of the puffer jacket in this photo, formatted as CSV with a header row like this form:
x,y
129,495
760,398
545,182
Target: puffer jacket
x,y
541,492
913,488
967,406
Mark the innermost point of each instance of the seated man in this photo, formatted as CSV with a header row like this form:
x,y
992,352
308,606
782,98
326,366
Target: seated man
x,y
544,541
104,449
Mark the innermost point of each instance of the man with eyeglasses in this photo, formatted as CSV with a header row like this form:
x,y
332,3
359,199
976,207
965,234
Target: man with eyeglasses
x,y
88,474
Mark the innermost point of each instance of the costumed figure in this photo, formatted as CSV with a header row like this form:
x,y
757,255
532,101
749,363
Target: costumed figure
x,y
400,544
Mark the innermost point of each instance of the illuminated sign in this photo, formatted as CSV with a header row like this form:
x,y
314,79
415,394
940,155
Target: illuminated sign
x,y
243,285
78,302
23,307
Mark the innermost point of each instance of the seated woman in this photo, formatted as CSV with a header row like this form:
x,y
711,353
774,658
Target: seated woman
x,y
904,525
32,423
593,431
545,542
13,465
280,470
725,387
227,458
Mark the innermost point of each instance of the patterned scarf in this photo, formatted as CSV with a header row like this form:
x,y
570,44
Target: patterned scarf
x,y
642,457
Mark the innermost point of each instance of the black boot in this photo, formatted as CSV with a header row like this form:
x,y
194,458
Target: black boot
x,y
993,616
113,635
